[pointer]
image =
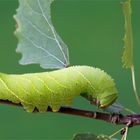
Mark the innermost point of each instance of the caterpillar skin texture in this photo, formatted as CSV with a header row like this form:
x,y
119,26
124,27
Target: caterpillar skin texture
x,y
58,88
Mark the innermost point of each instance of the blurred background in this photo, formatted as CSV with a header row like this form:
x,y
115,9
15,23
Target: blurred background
x,y
93,31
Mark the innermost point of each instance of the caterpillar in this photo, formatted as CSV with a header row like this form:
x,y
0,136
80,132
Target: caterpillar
x,y
58,88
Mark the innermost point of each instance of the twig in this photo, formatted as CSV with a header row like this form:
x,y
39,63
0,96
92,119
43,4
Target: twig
x,y
134,85
117,119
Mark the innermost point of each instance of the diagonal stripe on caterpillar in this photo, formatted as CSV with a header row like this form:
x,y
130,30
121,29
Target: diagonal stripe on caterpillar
x,y
58,88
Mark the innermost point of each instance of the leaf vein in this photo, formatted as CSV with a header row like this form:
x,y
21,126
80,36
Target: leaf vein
x,y
32,8
39,47
51,27
37,29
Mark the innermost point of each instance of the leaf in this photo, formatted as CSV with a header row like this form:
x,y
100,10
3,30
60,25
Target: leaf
x,y
115,108
104,137
91,136
84,136
127,57
39,43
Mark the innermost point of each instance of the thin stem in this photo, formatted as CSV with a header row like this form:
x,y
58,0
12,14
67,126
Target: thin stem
x,y
125,133
132,119
116,133
122,137
134,84
129,110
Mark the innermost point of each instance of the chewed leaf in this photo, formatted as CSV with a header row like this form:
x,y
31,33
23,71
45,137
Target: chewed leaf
x,y
127,57
39,43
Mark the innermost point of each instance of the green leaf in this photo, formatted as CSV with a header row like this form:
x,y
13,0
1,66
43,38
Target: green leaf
x,y
39,43
115,108
91,136
85,136
105,137
127,57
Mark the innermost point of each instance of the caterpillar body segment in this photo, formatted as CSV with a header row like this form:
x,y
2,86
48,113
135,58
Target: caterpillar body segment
x,y
58,88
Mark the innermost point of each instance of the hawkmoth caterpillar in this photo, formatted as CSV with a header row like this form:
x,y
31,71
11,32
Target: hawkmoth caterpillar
x,y
58,88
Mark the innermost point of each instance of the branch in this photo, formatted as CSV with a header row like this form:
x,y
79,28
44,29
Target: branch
x,y
118,119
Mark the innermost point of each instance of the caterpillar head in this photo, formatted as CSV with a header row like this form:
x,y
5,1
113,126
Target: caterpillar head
x,y
106,99
101,91
103,100
105,89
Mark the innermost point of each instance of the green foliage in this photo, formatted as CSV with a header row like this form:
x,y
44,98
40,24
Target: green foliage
x,y
103,137
84,136
115,108
38,40
127,57
91,136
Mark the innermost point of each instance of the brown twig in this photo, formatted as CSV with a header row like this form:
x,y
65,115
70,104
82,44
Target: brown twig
x,y
118,119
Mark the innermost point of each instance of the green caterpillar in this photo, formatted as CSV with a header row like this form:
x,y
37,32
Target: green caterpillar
x,y
58,88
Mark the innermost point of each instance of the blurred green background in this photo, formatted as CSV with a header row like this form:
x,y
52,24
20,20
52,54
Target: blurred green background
x,y
93,30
